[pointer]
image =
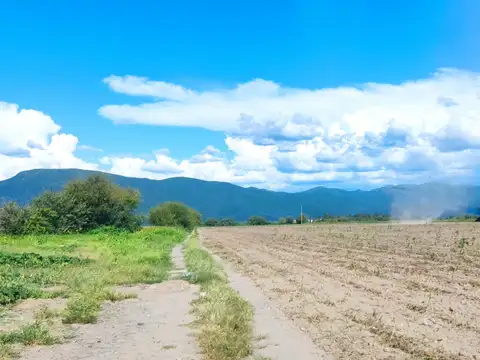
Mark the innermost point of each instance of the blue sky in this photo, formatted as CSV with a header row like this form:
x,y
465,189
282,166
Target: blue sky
x,y
281,95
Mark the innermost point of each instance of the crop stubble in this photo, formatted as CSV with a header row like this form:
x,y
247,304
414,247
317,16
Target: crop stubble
x,y
368,291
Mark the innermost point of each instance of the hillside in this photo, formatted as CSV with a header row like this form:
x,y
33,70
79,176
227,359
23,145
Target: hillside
x,y
218,199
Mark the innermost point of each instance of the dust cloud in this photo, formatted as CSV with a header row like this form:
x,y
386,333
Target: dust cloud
x,y
427,202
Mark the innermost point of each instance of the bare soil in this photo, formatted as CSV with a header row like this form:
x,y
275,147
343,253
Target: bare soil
x,y
24,312
368,291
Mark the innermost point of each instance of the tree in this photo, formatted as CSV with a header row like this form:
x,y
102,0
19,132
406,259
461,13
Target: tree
x,y
104,203
211,222
282,221
174,214
289,220
227,222
302,219
81,206
13,219
257,220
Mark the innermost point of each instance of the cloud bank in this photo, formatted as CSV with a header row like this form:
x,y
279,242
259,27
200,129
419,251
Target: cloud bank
x,y
371,134
278,137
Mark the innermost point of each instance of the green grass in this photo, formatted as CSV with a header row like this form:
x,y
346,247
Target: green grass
x,y
224,319
32,334
84,267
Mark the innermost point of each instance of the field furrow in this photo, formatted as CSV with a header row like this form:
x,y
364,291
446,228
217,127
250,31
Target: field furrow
x,y
368,291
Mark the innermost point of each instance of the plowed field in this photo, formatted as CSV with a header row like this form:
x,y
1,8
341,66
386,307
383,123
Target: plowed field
x,y
368,291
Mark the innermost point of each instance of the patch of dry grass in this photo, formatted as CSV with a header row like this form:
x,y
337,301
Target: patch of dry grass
x,y
224,319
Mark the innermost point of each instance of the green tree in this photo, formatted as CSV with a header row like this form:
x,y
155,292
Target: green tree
x,y
282,221
13,219
211,222
289,220
174,214
97,202
41,221
302,219
257,220
83,205
227,222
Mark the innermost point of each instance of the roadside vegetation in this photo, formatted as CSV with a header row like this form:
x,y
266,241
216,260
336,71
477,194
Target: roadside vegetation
x,y
83,205
82,268
223,318
175,214
77,245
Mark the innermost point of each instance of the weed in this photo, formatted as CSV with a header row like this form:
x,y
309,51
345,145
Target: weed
x,y
169,347
37,260
328,302
116,296
7,352
32,334
224,319
82,309
417,308
45,313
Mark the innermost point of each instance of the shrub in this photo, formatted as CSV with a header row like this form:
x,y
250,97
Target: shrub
x,y
13,219
97,202
174,214
257,220
289,220
227,222
36,260
302,219
211,222
83,205
14,288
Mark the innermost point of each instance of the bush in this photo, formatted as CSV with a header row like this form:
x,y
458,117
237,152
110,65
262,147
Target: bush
x,y
211,222
83,205
227,222
257,220
174,214
26,260
13,287
97,202
302,219
13,219
289,220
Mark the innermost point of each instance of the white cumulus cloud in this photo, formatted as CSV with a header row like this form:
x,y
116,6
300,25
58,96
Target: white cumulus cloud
x,y
415,131
30,139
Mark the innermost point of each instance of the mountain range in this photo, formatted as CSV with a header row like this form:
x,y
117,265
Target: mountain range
x,y
222,200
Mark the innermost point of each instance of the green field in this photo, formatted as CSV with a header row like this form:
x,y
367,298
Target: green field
x,y
81,268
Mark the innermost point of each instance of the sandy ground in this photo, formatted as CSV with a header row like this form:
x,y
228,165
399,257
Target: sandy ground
x,y
368,291
153,326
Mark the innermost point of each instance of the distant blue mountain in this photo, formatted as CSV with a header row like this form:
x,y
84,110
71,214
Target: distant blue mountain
x,y
221,200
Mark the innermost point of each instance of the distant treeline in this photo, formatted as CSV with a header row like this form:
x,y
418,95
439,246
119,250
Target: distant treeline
x,y
326,218
87,205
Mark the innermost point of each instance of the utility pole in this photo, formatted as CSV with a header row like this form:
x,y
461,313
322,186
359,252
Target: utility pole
x,y
301,214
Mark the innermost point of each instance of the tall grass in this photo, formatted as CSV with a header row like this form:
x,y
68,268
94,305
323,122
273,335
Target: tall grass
x,y
224,319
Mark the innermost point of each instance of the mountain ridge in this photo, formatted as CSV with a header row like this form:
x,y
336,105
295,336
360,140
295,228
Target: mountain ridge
x,y
222,199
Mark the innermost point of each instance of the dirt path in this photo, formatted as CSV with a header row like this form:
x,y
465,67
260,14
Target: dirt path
x,y
149,327
278,338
